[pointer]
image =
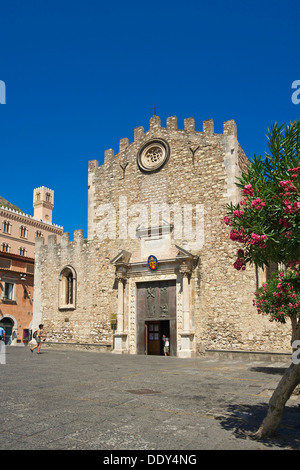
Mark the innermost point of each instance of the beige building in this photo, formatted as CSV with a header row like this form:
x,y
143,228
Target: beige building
x,y
158,259
18,232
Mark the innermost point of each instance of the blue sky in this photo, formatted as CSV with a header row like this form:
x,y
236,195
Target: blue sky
x,y
82,75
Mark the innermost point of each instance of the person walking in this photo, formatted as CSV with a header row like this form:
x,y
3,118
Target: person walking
x,y
2,346
38,338
2,334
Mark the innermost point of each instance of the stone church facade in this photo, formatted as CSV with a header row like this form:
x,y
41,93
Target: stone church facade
x,y
158,259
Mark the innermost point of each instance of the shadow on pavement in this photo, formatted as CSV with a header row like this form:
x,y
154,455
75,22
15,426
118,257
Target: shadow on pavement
x,y
246,419
269,370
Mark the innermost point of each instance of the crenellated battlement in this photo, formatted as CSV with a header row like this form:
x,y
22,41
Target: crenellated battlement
x,y
229,128
64,241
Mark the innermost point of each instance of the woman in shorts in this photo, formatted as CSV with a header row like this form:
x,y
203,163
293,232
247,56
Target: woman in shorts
x,y
38,339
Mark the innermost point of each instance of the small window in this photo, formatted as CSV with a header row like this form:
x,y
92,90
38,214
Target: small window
x,y
67,288
5,263
38,234
5,247
9,291
30,268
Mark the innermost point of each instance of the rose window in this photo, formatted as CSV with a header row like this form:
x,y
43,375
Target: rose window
x,y
153,155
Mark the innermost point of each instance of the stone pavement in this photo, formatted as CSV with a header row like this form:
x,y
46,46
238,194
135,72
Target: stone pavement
x,y
86,400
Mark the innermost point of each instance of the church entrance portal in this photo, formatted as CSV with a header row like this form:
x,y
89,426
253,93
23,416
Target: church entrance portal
x,y
156,316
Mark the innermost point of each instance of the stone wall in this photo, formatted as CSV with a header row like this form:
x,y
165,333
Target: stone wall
x,y
89,321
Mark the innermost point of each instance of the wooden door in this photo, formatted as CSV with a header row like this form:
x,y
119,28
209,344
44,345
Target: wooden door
x,y
156,303
154,337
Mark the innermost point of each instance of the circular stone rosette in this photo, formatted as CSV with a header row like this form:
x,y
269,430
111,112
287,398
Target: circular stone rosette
x,y
153,155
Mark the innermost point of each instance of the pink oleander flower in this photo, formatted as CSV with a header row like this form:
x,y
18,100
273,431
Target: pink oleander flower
x,y
258,204
258,239
287,185
248,190
238,213
235,235
240,264
285,223
227,220
294,170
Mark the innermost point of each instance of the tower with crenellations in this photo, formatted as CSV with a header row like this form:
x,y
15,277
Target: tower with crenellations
x,y
43,203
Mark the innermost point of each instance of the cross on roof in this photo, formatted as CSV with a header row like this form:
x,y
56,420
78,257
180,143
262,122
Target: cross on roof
x,y
154,109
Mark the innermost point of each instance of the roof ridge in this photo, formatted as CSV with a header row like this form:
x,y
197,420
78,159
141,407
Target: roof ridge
x,y
9,205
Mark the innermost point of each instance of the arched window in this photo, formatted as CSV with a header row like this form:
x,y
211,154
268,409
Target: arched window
x,y
22,251
5,247
23,231
67,288
6,227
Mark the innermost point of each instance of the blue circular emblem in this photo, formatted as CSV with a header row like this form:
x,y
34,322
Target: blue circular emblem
x,y
152,262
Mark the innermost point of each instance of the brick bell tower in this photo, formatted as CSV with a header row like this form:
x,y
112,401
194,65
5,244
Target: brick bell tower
x,y
43,203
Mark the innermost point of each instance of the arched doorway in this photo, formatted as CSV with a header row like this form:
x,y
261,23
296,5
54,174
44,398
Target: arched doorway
x,y
8,325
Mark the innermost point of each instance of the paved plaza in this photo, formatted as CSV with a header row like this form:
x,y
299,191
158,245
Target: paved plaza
x,y
84,400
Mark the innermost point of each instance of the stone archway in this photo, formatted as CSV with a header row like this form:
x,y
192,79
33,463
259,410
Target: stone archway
x,y
8,322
